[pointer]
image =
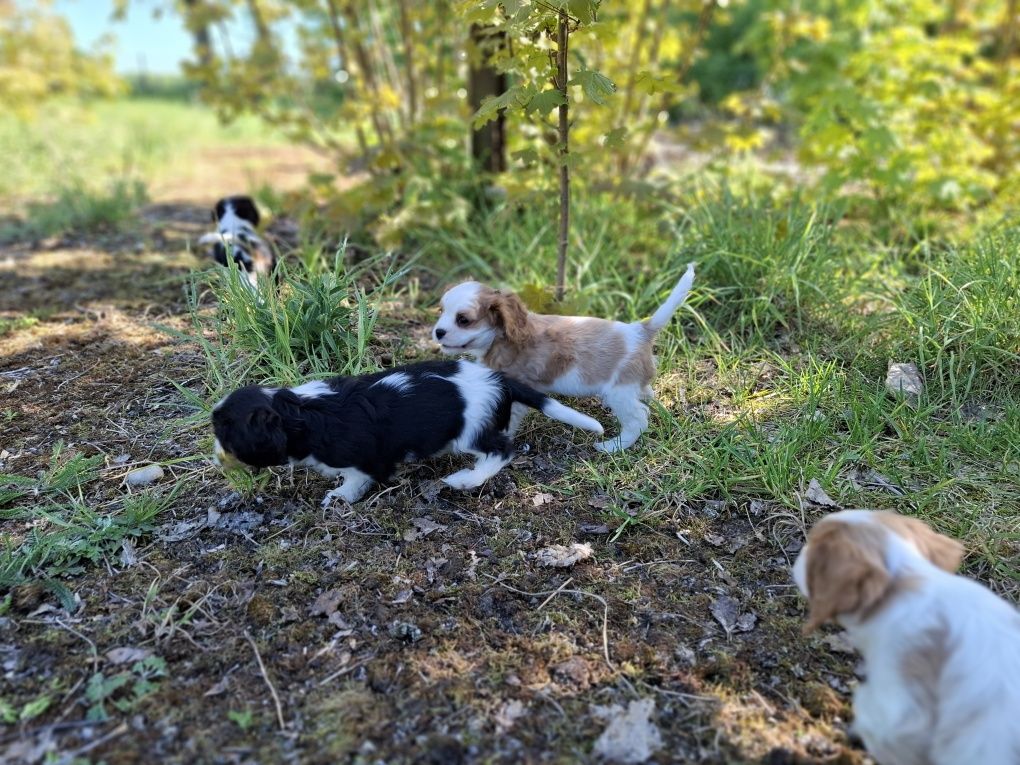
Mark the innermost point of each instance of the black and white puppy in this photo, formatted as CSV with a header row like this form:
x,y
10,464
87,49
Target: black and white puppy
x,y
236,237
361,428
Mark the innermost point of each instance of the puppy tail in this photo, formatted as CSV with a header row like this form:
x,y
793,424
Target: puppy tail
x,y
550,407
676,299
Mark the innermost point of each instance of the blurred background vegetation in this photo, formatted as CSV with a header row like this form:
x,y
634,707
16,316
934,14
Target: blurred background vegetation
x,y
906,113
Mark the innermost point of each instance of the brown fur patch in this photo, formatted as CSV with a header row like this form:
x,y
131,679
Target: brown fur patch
x,y
506,311
639,369
846,573
921,670
942,551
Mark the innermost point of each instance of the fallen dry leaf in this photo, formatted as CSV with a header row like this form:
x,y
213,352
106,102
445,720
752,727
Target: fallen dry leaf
x,y
631,736
508,714
326,604
542,499
816,495
727,612
562,556
422,528
127,654
143,476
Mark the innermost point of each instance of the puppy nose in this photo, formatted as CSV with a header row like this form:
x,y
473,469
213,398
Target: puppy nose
x,y
440,334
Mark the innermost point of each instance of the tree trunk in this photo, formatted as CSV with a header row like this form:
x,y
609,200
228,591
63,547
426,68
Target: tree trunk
x,y
345,59
488,143
407,33
199,33
562,37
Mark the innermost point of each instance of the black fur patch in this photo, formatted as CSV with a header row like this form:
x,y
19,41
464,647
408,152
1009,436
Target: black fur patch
x,y
359,423
244,208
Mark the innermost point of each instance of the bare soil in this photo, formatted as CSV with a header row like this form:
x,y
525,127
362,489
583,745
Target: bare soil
x,y
415,628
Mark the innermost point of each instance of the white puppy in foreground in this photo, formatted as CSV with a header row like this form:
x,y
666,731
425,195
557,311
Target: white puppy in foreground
x,y
941,652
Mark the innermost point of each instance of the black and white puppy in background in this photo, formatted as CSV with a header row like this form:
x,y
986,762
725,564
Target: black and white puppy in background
x,y
236,237
361,428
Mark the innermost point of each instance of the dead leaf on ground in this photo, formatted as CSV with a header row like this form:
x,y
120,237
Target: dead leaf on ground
x,y
542,499
181,530
838,643
862,478
128,554
326,604
716,540
422,528
562,556
127,654
816,495
593,528
220,687
508,714
727,612
631,736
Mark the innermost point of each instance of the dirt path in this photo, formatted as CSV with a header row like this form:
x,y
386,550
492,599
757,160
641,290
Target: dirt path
x,y
418,627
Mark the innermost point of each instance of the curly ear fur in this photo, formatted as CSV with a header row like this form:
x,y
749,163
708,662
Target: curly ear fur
x,y
509,314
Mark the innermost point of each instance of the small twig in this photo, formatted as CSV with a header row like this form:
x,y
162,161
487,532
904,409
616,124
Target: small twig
x,y
118,730
555,592
269,683
345,670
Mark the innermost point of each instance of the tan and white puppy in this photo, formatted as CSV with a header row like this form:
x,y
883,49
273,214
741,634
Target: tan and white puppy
x,y
941,652
568,355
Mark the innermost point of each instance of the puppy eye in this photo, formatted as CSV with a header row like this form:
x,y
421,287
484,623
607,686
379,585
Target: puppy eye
x,y
462,320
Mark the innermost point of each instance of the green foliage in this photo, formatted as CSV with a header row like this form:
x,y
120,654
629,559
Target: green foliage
x,y
62,530
124,690
243,720
39,60
874,87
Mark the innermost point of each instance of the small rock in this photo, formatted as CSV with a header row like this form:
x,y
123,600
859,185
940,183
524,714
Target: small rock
x,y
685,655
903,379
838,643
144,476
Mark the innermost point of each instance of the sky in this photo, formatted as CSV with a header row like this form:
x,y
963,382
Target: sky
x,y
143,43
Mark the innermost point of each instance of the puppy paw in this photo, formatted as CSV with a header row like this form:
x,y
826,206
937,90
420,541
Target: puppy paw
x,y
340,494
608,447
462,479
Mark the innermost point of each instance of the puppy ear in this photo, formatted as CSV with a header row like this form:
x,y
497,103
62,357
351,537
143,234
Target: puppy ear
x,y
846,572
942,551
510,314
263,419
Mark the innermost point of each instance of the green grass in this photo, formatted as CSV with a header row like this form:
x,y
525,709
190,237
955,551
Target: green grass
x,y
318,323
773,373
80,209
65,527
